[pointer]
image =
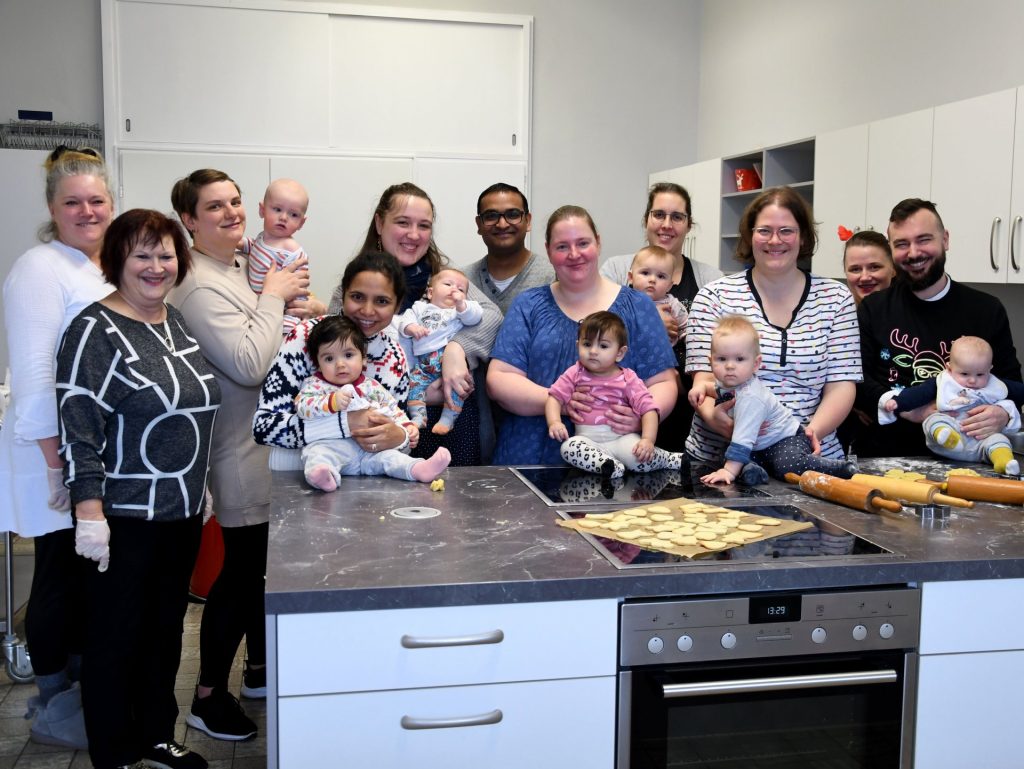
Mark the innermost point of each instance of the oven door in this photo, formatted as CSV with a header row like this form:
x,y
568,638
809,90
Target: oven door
x,y
841,711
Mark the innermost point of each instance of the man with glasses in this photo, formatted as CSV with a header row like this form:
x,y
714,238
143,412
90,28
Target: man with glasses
x,y
503,221
906,332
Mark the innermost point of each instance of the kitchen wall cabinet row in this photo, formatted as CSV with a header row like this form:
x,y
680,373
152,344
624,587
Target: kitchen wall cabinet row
x,y
967,157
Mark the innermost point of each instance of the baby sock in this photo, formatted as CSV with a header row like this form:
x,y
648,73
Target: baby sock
x,y
427,470
321,477
446,422
1003,461
418,413
946,436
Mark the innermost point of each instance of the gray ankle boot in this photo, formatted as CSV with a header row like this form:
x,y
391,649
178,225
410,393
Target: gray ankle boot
x,y
60,722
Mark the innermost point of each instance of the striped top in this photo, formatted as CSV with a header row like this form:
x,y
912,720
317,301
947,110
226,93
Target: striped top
x,y
820,345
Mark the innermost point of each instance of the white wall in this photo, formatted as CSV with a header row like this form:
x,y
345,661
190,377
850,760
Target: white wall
x,y
774,72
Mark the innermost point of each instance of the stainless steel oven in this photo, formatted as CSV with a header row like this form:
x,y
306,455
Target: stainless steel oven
x,y
769,680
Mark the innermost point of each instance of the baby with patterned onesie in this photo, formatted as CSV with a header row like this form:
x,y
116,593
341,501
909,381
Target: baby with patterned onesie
x,y
338,389
966,383
431,324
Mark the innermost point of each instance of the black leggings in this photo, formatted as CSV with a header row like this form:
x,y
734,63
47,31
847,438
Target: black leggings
x,y
234,607
56,614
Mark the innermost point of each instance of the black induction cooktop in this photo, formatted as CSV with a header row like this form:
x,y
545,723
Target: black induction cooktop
x,y
567,487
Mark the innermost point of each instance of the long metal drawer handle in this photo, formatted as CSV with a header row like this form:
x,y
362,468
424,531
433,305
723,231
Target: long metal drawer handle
x,y
494,717
782,683
490,637
1013,251
991,242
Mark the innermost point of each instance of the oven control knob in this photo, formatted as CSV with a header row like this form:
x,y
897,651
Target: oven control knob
x,y
685,643
728,641
655,645
818,635
860,633
887,630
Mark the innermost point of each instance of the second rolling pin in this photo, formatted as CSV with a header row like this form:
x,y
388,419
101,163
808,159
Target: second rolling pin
x,y
911,491
842,492
986,489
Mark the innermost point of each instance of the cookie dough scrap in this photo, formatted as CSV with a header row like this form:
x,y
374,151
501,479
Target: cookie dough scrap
x,y
964,471
906,475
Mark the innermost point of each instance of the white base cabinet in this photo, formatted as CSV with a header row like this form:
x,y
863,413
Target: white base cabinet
x,y
971,675
509,686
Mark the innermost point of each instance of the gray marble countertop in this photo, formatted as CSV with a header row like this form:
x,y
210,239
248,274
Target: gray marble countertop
x,y
495,541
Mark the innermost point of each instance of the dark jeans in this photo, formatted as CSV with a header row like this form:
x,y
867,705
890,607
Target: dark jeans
x,y
133,646
56,616
234,607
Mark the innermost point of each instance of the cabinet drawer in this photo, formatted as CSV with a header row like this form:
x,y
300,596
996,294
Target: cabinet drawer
x,y
978,615
410,648
556,724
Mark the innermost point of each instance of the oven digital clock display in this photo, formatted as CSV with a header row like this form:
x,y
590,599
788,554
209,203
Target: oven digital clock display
x,y
775,608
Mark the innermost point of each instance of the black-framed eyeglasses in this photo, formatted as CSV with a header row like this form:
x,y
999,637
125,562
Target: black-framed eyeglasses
x,y
677,217
510,215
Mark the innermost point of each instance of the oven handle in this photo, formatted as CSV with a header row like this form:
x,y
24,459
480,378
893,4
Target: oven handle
x,y
781,683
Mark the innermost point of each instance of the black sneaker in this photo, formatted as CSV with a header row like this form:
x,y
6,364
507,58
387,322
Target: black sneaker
x,y
254,683
221,717
173,755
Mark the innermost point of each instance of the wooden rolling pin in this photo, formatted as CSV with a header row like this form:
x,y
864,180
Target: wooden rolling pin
x,y
843,492
911,491
986,489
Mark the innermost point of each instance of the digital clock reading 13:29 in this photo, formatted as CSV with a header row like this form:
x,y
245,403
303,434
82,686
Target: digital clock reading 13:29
x,y
774,608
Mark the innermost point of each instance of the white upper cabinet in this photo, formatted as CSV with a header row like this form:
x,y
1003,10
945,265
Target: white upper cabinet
x,y
703,182
972,169
220,76
899,164
1015,236
840,196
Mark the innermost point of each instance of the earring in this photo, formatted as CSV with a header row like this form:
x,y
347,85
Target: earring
x,y
379,246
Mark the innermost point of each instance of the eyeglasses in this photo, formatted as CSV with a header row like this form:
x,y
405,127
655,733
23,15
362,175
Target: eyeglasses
x,y
510,215
677,217
786,234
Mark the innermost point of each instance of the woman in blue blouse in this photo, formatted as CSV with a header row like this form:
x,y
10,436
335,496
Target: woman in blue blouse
x,y
537,342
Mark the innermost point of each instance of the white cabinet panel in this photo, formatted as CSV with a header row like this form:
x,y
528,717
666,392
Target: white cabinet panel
x,y
428,85
703,182
972,152
840,193
1015,272
544,725
968,711
343,193
899,164
360,651
982,615
229,76
454,186
146,179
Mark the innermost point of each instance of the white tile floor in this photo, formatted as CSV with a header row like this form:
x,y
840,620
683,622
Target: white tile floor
x,y
17,751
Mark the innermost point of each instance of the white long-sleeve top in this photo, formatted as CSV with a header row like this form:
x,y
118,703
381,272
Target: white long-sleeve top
x,y
442,322
46,289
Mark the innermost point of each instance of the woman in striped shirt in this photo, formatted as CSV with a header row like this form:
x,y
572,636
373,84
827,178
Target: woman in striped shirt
x,y
807,327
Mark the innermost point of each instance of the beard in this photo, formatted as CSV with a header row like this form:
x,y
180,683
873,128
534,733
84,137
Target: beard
x,y
929,278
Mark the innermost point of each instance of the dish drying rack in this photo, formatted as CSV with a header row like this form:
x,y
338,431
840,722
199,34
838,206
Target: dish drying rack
x,y
48,135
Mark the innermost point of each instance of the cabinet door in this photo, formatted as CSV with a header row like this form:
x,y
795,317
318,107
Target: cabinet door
x,y
543,725
703,181
899,164
343,193
968,711
1015,236
972,153
840,193
205,75
971,616
146,179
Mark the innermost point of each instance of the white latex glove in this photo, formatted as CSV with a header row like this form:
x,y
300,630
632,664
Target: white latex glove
x,y
60,497
92,539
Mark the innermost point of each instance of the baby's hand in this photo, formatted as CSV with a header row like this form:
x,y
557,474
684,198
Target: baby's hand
x,y
460,300
890,405
643,450
719,476
557,431
340,400
416,331
696,396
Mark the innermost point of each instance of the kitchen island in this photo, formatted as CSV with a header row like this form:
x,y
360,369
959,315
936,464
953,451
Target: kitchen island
x,y
345,574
